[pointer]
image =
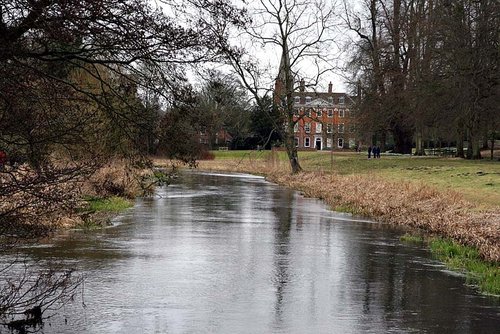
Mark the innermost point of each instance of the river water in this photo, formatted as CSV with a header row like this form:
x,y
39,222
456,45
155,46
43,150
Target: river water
x,y
219,253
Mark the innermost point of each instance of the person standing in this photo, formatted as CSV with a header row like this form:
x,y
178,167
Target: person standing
x,y
369,152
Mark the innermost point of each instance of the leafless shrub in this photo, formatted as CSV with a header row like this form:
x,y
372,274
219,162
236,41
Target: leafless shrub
x,y
35,201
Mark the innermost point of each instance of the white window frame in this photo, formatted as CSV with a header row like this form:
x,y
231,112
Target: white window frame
x,y
307,142
341,128
307,127
308,99
297,141
319,113
341,100
319,127
340,142
296,99
329,128
296,127
309,113
330,113
341,112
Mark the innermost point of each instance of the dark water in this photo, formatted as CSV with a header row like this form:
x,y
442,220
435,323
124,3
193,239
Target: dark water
x,y
235,254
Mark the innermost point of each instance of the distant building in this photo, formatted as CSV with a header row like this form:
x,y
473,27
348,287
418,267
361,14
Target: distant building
x,y
220,138
323,119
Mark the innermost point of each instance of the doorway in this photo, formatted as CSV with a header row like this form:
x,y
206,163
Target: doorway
x,y
318,144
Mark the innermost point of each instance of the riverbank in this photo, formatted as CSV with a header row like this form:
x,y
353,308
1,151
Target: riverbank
x,y
35,203
422,207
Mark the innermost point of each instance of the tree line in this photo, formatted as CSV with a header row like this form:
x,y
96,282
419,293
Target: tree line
x,y
82,83
428,70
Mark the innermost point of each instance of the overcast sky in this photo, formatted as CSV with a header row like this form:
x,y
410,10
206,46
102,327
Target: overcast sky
x,y
268,55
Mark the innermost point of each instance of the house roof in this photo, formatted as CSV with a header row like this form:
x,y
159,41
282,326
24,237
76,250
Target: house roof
x,y
319,102
324,96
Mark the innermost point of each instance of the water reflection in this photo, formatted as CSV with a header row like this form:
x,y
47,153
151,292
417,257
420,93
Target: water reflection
x,y
283,213
240,255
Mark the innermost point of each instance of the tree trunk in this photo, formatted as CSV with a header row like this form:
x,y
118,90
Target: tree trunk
x,y
460,141
402,140
492,146
291,151
419,143
469,145
383,140
476,149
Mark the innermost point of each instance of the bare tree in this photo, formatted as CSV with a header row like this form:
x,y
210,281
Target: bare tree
x,y
71,78
300,32
428,68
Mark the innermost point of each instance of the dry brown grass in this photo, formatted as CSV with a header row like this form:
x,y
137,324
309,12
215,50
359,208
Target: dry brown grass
x,y
115,178
409,204
34,203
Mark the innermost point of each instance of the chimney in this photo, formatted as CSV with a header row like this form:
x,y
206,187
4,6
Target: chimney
x,y
330,87
302,86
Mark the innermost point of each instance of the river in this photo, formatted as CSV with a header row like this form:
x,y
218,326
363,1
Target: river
x,y
217,253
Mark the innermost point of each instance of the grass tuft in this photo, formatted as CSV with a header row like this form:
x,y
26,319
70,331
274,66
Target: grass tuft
x,y
112,204
411,239
485,275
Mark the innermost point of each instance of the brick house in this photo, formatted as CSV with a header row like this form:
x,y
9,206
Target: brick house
x,y
324,118
221,138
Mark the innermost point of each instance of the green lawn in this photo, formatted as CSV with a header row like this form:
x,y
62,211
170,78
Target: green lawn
x,y
113,204
478,181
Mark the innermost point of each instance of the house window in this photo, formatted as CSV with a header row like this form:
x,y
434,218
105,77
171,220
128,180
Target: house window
x,y
307,127
341,128
330,113
330,100
319,113
329,128
319,128
308,99
296,127
340,143
296,99
341,113
308,113
296,142
296,112
307,142
341,100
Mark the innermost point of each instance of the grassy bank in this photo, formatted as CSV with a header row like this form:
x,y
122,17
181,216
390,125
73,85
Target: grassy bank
x,y
466,259
113,204
476,181
451,198
98,211
478,272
